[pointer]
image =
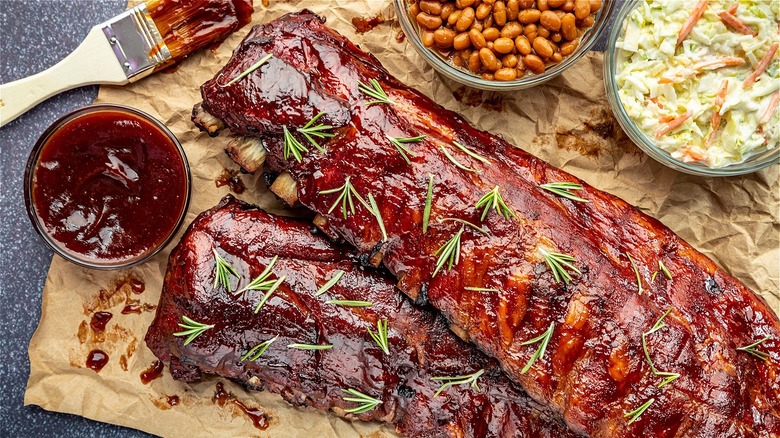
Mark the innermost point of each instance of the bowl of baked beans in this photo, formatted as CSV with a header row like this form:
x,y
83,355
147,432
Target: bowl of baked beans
x,y
503,44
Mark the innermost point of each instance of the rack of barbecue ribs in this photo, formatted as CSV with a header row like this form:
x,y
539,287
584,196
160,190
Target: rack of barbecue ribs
x,y
312,339
599,311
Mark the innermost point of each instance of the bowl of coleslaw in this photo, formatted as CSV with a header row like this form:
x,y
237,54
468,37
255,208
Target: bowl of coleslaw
x,y
696,84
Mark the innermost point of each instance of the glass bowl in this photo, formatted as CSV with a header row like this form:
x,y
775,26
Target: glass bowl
x,y
642,140
445,68
72,123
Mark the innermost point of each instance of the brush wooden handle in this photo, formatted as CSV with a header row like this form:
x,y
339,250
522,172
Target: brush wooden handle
x,y
93,62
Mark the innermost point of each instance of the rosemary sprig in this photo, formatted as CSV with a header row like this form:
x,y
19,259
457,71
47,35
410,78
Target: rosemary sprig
x,y
251,68
492,200
366,403
375,90
638,411
400,144
261,282
454,161
350,303
293,147
380,337
333,280
636,272
270,292
193,329
464,222
310,346
751,349
378,215
558,263
310,130
481,289
345,198
449,253
428,199
470,379
258,349
545,339
663,269
471,153
224,271
669,376
563,189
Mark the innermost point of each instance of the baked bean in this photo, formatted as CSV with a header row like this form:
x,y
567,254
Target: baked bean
x,y
489,2
463,4
595,5
444,37
458,61
505,74
534,63
488,76
581,9
509,60
530,32
453,18
542,5
465,54
461,41
477,39
587,22
446,10
569,26
511,30
526,4
543,48
557,57
568,6
483,11
529,16
432,7
555,4
556,37
512,9
490,34
489,45
543,32
503,45
475,65
414,9
568,47
499,13
488,22
523,45
477,25
428,21
520,71
426,37
550,20
465,20
488,59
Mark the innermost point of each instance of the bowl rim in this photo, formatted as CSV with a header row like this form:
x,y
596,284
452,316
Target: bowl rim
x,y
640,138
33,161
587,41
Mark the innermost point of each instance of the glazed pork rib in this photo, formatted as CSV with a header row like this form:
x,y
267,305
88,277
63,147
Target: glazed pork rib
x,y
419,344
596,309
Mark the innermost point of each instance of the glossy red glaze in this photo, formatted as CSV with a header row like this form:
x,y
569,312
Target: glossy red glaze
x,y
96,360
99,321
154,371
594,370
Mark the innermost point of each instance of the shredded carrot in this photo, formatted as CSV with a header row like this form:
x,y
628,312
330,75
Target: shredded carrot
x,y
716,117
733,9
736,23
689,155
717,63
673,124
691,21
770,108
657,103
761,66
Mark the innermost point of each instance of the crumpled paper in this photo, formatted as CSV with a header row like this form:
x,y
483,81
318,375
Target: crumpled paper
x,y
566,122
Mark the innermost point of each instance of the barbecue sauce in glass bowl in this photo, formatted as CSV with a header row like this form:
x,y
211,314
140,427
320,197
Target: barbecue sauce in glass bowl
x,y
107,186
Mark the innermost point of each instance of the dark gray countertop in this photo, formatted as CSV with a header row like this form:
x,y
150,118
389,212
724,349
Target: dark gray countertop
x,y
35,35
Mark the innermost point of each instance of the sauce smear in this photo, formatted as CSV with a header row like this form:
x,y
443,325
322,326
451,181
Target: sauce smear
x,y
96,360
154,371
109,185
99,321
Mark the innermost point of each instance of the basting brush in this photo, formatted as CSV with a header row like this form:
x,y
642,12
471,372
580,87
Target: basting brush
x,y
142,40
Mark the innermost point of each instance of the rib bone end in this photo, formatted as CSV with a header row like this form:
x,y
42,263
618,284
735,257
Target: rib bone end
x,y
285,187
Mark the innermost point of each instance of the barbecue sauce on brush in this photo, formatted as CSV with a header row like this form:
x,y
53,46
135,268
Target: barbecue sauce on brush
x,y
109,185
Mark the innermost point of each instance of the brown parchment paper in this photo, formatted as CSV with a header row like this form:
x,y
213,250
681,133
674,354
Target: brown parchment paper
x,y
567,122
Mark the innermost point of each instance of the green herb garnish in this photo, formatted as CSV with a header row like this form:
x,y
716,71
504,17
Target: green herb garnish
x,y
193,329
258,349
563,189
638,411
454,161
333,280
481,289
400,144
292,146
380,337
545,339
449,253
224,271
310,346
251,68
751,349
669,376
663,269
375,90
464,222
470,379
270,292
350,303
261,282
471,153
345,198
310,131
636,272
366,403
492,200
558,263
374,209
428,199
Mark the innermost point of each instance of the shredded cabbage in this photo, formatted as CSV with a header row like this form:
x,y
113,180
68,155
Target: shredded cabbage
x,y
659,80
